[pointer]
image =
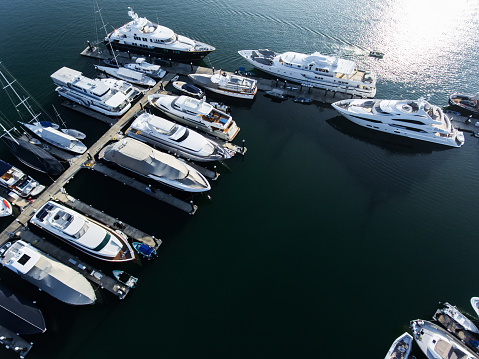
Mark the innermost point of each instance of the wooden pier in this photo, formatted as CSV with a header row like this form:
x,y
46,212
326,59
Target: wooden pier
x,y
13,341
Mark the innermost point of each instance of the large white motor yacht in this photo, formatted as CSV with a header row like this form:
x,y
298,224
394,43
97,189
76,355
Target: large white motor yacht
x,y
85,234
414,119
227,84
18,182
172,137
437,343
93,94
196,113
48,274
315,70
140,158
143,37
131,92
125,74
151,70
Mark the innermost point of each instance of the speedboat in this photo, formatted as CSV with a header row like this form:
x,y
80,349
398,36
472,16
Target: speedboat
x,y
131,92
85,234
48,274
141,65
125,278
188,89
276,94
465,104
159,132
400,348
315,70
475,304
197,114
5,207
143,37
300,99
140,158
19,314
144,249
436,343
227,84
18,182
56,138
414,119
125,74
458,317
93,94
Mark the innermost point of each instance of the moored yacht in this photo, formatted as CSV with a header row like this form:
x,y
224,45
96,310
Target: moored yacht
x,y
18,182
414,119
465,103
85,234
125,74
400,348
226,84
317,70
48,274
196,113
436,343
170,136
151,70
93,94
131,92
143,37
140,158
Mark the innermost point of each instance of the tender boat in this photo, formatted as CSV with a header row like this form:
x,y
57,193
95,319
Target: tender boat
x,y
465,104
48,274
159,132
5,207
18,182
125,74
221,106
414,119
93,94
140,158
436,343
196,113
141,65
300,99
401,347
56,138
131,92
143,37
475,304
125,278
85,234
144,249
316,70
377,54
29,154
276,94
19,314
188,89
458,317
227,84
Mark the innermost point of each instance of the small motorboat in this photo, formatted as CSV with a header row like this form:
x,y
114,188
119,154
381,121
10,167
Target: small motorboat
x,y
125,278
377,54
188,89
401,347
5,207
242,71
302,99
276,94
475,304
458,317
144,249
221,106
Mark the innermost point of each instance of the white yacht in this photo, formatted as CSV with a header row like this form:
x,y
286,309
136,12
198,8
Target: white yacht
x,y
140,158
56,138
227,84
85,234
172,137
125,74
18,182
475,304
143,37
131,92
315,70
48,274
400,348
436,343
93,94
414,119
196,113
151,70
5,207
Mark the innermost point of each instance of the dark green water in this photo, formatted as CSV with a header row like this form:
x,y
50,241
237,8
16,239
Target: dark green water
x,y
324,238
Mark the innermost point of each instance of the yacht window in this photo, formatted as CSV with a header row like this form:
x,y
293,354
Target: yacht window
x,y
24,259
103,243
82,231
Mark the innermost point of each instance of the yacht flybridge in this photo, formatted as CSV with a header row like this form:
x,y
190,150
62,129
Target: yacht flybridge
x,y
414,119
315,70
93,94
143,37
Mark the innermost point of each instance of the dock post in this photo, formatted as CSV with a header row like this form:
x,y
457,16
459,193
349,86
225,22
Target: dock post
x,y
242,151
191,64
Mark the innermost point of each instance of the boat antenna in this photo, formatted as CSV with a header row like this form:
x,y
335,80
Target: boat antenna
x,y
7,132
58,116
106,33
